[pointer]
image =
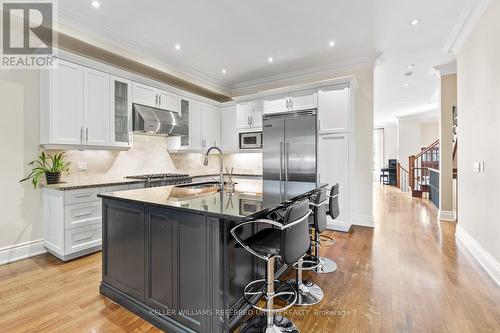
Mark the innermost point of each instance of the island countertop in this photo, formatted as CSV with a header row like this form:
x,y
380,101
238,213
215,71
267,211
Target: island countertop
x,y
239,205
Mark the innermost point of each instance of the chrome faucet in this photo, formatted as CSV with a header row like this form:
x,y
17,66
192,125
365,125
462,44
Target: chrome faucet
x,y
205,163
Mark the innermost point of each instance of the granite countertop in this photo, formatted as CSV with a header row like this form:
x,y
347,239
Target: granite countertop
x,y
65,186
234,205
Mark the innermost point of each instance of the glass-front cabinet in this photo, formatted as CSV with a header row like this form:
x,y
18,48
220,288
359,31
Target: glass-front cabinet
x,y
121,112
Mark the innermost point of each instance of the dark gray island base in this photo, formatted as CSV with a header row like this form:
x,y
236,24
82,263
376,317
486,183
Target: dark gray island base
x,y
168,255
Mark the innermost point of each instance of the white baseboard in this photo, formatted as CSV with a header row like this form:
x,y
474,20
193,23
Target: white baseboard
x,y
337,225
364,221
446,215
21,251
486,260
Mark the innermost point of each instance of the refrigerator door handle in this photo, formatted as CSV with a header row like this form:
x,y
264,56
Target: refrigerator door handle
x,y
287,159
281,160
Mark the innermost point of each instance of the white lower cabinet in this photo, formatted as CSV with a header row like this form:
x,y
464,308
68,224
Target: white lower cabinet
x,y
73,220
334,164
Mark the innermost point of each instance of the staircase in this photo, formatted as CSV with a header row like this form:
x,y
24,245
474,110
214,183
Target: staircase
x,y
419,166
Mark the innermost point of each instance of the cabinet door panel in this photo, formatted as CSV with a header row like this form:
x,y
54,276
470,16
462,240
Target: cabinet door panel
x,y
333,168
121,112
124,260
257,114
195,126
162,251
275,104
145,95
304,100
67,103
193,289
168,101
244,112
334,110
96,105
229,129
211,126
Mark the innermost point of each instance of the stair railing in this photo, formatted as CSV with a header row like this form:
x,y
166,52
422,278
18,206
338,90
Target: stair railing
x,y
419,165
402,176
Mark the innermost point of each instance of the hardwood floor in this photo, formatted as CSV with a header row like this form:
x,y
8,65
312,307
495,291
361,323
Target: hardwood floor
x,y
406,275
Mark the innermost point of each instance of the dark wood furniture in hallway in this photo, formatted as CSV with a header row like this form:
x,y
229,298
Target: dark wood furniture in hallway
x,y
410,275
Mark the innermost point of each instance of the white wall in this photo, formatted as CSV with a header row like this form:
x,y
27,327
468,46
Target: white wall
x,y
390,142
478,70
409,141
20,204
429,132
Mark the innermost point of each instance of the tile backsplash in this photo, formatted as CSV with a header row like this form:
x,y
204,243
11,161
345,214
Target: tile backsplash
x,y
149,154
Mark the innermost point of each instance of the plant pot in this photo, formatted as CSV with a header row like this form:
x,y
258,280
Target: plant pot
x,y
52,177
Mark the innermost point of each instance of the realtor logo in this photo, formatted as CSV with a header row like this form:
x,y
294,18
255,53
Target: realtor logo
x,y
27,34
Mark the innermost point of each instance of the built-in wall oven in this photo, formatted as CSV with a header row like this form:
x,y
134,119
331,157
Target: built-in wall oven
x,y
251,140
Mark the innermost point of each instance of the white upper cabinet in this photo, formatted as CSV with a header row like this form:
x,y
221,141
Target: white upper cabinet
x,y
249,115
195,112
145,95
303,100
121,111
229,139
168,101
211,131
150,96
96,107
334,109
276,104
295,101
62,104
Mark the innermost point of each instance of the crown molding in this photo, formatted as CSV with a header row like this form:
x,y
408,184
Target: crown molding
x,y
310,74
466,22
119,41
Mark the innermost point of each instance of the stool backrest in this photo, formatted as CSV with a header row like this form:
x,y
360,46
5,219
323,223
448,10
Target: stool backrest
x,y
333,205
295,240
319,211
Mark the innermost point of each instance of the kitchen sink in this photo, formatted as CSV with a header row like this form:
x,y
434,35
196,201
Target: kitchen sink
x,y
200,186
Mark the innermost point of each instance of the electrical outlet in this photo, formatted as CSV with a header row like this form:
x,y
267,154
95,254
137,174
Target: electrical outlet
x,y
478,167
81,166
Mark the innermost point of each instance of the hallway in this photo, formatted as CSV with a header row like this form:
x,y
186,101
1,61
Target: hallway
x,y
406,275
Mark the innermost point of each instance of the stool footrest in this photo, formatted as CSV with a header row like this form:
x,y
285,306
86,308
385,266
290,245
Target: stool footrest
x,y
290,291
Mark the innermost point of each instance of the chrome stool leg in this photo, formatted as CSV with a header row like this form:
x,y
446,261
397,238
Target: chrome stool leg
x,y
269,322
326,265
308,293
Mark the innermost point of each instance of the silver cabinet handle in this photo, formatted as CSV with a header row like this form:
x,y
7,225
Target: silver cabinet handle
x,y
81,135
251,121
83,214
156,99
286,103
159,99
291,103
86,135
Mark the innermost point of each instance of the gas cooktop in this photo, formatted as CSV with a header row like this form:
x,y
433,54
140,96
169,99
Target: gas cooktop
x,y
163,179
159,176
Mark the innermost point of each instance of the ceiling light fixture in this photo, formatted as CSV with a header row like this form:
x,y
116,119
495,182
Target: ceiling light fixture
x,y
415,22
406,84
224,71
177,47
411,67
270,59
96,4
332,43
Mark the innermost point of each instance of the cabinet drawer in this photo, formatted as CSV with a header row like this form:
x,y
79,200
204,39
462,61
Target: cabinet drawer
x,y
83,195
82,238
115,188
81,214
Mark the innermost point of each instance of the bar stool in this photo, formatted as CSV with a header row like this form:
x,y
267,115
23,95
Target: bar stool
x,y
320,224
288,240
310,293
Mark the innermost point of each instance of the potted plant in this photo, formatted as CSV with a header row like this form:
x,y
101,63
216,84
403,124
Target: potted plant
x,y
50,165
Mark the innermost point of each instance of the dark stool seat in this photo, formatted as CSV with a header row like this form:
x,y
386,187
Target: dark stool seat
x,y
288,240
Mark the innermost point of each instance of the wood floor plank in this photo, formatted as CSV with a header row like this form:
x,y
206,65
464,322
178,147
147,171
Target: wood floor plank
x,y
406,275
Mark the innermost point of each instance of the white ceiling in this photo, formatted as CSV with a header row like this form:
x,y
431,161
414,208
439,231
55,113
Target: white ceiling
x,y
239,36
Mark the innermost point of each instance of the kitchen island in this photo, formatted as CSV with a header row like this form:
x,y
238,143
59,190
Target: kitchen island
x,y
168,255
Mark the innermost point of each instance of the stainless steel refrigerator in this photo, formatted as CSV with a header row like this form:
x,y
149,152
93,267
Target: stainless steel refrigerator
x,y
289,150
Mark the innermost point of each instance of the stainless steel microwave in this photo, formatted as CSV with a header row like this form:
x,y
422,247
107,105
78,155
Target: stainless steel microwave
x,y
251,140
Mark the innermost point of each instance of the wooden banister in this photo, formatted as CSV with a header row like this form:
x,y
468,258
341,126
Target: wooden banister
x,y
431,146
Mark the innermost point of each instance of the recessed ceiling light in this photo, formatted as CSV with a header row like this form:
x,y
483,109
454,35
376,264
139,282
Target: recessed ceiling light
x,y
270,59
415,22
406,84
177,47
224,71
332,43
410,67
95,4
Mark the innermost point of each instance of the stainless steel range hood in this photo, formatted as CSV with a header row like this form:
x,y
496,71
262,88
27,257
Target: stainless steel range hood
x,y
149,120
